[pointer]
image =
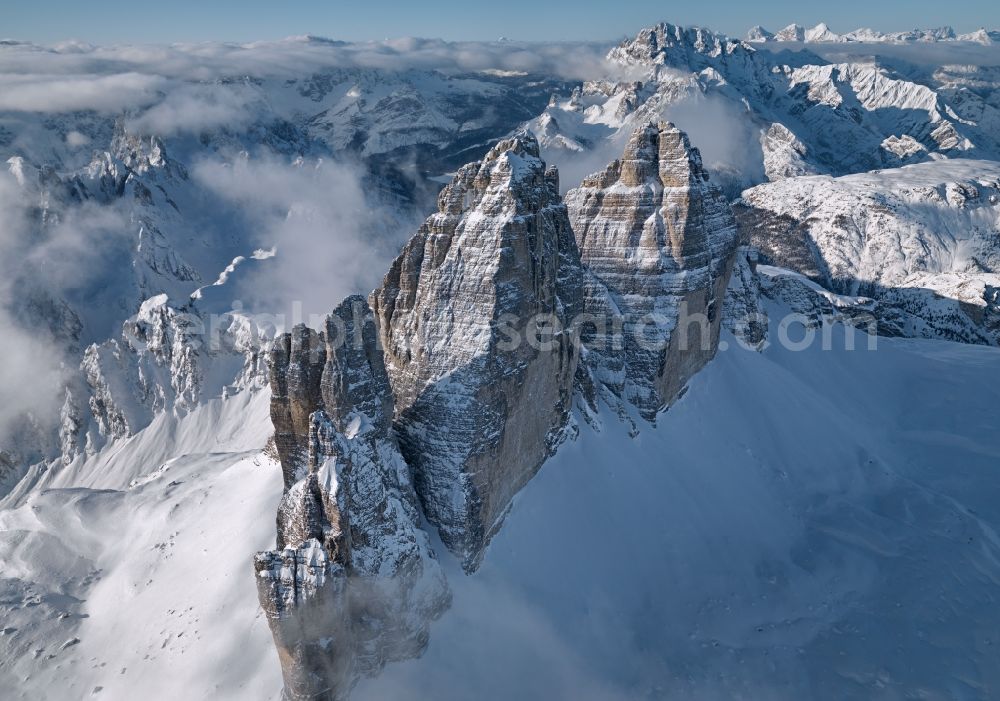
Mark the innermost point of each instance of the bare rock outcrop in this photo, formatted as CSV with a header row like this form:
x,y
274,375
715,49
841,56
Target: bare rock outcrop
x,y
474,319
453,383
656,238
354,583
744,313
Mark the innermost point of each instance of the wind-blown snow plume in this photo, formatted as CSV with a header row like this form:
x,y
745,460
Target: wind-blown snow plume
x,y
731,142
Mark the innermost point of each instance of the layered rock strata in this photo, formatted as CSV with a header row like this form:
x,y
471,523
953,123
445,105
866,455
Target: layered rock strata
x,y
656,238
449,387
354,582
474,317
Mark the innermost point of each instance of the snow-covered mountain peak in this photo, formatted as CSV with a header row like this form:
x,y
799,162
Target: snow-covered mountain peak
x,y
792,32
758,34
515,159
774,114
673,45
822,34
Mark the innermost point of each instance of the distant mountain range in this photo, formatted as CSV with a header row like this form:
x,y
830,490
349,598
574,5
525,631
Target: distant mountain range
x,y
822,33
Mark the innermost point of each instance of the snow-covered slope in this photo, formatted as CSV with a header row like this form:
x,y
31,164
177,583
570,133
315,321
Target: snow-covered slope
x,y
923,241
824,527
129,573
815,524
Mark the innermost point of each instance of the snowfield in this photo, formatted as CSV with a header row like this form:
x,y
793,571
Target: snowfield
x,y
885,226
132,576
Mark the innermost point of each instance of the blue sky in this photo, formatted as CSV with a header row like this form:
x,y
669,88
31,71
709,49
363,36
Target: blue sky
x,y
197,20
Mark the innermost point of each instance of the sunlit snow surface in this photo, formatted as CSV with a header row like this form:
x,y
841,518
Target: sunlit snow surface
x,y
148,567
801,525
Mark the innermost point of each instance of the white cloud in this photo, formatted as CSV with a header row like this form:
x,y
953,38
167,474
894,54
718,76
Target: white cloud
x,y
921,54
30,368
29,377
75,139
330,239
301,55
574,166
194,108
722,130
68,93
41,265
191,88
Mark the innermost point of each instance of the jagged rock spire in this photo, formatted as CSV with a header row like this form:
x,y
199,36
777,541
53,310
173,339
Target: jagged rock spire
x,y
656,238
478,320
354,582
478,410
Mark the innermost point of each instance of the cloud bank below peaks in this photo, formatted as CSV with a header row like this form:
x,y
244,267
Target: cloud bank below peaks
x,y
109,79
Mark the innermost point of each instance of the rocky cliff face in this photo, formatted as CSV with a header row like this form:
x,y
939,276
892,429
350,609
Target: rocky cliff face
x,y
460,372
688,48
656,238
472,316
743,313
354,583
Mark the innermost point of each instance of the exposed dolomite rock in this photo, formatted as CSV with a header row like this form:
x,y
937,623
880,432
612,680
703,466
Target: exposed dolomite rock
x,y
482,393
657,239
296,369
354,583
477,320
743,313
